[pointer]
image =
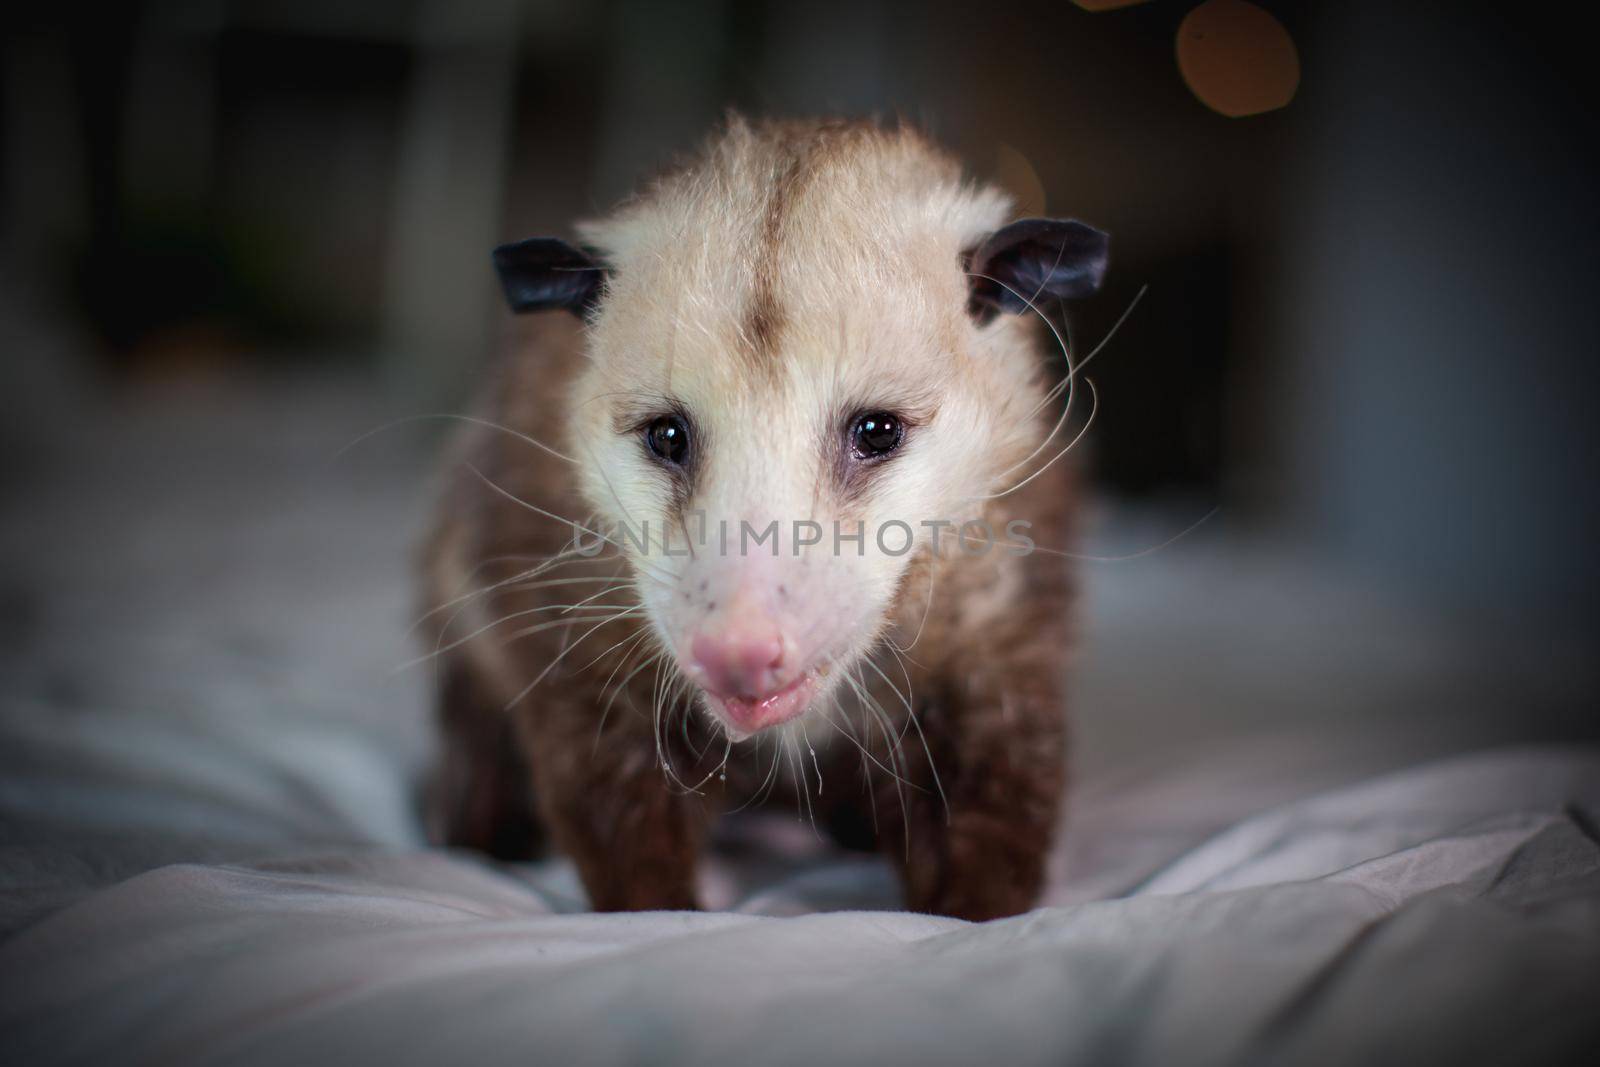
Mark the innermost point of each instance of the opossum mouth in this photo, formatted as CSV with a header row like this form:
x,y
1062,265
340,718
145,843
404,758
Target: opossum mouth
x,y
744,716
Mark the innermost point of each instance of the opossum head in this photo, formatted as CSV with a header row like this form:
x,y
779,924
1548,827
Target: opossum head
x,y
798,367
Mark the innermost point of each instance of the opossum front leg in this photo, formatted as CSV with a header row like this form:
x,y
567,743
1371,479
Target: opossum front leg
x,y
634,841
980,851
480,796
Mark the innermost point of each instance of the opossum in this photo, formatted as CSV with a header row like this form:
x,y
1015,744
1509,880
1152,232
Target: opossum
x,y
754,521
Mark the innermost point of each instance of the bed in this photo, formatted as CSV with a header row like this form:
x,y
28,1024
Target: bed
x,y
1309,824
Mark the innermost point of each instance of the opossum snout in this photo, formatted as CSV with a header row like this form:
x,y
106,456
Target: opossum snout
x,y
749,670
743,662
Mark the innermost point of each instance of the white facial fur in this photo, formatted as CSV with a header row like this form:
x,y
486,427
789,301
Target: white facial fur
x,y
788,279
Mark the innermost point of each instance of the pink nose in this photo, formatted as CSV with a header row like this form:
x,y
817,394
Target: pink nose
x,y
741,663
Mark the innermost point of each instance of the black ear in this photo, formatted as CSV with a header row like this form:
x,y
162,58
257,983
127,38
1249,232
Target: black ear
x,y
1032,259
542,273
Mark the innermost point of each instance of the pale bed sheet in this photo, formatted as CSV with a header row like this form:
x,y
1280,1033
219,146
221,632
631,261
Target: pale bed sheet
x,y
1307,826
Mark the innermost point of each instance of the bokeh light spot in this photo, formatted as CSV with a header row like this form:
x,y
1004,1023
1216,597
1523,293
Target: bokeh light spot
x,y
1237,58
1014,174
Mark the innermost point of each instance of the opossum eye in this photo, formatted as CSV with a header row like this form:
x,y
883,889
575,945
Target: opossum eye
x,y
876,434
668,437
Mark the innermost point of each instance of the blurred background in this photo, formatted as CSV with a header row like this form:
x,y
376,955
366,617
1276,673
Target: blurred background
x,y
237,235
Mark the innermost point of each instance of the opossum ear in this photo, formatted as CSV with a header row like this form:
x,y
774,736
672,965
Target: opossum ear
x,y
542,273
1032,259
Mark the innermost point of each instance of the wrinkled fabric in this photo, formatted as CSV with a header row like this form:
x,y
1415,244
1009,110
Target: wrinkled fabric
x,y
210,849
1445,914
